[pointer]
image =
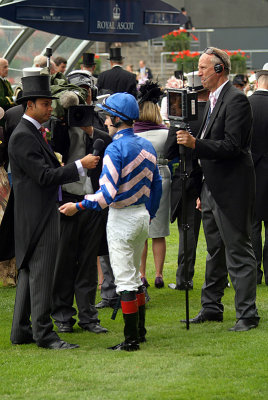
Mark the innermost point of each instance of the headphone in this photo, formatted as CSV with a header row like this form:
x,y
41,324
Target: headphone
x,y
218,68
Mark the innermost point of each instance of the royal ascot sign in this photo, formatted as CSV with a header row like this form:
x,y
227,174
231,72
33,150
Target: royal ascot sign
x,y
96,20
118,18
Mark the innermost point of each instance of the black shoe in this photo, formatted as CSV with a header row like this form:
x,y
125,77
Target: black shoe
x,y
65,328
103,304
127,346
204,316
245,324
182,286
94,327
59,345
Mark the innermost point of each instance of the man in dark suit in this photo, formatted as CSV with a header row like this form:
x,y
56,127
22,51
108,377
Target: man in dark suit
x,y
37,174
193,185
86,231
117,79
259,148
228,193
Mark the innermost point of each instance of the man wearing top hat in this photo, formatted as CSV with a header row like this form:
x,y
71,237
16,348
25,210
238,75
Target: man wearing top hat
x,y
117,79
259,148
89,64
37,175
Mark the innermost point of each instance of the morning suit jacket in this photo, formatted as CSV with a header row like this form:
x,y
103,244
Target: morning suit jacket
x,y
226,158
259,148
117,80
36,175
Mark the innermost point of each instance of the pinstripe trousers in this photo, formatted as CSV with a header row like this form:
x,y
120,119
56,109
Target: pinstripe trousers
x,y
34,289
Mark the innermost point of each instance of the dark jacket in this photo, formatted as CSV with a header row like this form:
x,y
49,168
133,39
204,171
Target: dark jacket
x,y
36,176
116,80
226,157
259,149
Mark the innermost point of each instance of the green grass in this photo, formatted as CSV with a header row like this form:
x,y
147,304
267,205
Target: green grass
x,y
207,362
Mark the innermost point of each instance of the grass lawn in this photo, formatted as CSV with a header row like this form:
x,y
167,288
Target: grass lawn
x,y
207,362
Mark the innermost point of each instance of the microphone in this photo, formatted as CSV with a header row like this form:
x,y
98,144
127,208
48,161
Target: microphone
x,y
204,80
98,146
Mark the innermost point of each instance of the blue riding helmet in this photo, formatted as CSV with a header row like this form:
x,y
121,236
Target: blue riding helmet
x,y
122,105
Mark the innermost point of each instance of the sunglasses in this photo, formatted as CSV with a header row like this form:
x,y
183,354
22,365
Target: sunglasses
x,y
209,50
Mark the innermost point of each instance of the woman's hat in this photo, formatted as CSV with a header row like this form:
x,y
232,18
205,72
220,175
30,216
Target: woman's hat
x,y
34,87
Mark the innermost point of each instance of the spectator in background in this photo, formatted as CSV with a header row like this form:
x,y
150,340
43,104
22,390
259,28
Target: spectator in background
x,y
149,126
129,68
188,24
239,82
117,79
61,64
6,92
41,61
259,149
144,73
89,64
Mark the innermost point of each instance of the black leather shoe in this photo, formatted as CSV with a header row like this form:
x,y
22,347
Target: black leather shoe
x,y
59,345
182,286
65,328
246,324
204,316
127,346
94,327
103,304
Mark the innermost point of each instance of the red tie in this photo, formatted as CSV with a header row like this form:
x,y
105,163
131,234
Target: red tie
x,y
44,132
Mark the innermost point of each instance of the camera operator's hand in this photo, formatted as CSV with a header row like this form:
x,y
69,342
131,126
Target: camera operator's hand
x,y
68,209
185,138
90,161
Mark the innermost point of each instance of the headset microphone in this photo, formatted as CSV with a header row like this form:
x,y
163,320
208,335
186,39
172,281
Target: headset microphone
x,y
209,76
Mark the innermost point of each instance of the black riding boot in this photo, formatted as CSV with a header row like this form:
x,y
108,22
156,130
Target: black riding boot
x,y
129,305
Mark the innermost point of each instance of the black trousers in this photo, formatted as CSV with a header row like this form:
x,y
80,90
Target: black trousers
x,y
229,250
108,288
34,289
194,221
76,268
261,253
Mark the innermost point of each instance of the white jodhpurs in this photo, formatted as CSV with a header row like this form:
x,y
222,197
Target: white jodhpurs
x,y
127,230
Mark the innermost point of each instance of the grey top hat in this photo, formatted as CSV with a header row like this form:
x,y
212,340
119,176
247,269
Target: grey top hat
x,y
34,87
194,81
263,71
88,59
30,71
115,54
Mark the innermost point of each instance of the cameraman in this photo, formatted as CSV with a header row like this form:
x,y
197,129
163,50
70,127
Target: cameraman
x,y
81,236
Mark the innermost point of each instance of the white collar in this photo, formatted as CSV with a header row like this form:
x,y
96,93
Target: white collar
x,y
33,121
217,92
